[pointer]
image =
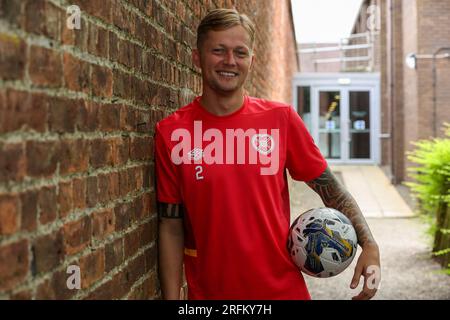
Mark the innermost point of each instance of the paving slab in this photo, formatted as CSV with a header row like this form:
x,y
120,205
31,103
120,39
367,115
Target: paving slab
x,y
373,191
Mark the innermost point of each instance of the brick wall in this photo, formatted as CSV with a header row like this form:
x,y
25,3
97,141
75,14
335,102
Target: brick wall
x,y
410,85
425,29
381,64
77,114
391,66
396,97
275,43
433,33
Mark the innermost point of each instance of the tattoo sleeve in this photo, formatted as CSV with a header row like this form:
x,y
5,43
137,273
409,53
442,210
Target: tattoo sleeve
x,y
170,210
334,195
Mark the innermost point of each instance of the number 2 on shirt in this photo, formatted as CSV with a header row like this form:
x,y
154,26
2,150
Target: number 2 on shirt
x,y
198,172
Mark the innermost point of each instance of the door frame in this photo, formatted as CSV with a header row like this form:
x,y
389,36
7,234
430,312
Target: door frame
x,y
344,82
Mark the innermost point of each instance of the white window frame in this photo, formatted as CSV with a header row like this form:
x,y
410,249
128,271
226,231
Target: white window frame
x,y
353,82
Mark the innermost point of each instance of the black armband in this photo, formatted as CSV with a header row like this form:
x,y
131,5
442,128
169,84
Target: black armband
x,y
170,210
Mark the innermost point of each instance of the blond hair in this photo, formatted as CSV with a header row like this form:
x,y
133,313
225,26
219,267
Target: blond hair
x,y
222,19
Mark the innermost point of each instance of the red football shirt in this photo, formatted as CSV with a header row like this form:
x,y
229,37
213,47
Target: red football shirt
x,y
230,174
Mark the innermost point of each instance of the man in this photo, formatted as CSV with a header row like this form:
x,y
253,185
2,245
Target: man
x,y
222,191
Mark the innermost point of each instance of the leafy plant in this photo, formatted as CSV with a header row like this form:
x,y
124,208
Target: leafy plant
x,y
432,182
432,175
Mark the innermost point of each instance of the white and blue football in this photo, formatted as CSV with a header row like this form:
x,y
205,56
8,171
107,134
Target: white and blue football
x,y
322,242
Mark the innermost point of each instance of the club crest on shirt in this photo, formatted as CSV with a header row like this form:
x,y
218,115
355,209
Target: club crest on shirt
x,y
263,143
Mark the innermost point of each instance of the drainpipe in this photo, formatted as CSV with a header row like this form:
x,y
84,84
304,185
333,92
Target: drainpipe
x,y
435,55
392,93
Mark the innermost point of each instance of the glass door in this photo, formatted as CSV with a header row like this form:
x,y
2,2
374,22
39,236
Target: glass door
x,y
342,123
343,117
329,111
359,125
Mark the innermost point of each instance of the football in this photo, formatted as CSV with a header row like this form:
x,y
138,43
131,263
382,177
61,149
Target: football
x,y
322,242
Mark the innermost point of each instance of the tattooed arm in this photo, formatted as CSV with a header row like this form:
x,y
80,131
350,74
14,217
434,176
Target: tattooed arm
x,y
171,249
334,195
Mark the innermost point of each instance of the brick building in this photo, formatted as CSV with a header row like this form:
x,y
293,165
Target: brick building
x,y
414,102
411,104
77,115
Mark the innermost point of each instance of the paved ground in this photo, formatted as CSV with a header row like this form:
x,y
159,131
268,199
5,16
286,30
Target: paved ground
x,y
408,271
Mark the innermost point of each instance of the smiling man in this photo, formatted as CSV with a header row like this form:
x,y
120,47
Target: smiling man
x,y
223,206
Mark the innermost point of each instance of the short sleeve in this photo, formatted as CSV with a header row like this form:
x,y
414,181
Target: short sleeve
x,y
303,160
167,182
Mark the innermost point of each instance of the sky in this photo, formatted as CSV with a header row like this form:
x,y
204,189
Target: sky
x,y
324,20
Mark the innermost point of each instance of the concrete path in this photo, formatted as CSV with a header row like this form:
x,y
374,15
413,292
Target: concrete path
x,y
408,271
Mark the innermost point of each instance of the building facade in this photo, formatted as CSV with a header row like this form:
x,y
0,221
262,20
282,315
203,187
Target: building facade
x,y
414,101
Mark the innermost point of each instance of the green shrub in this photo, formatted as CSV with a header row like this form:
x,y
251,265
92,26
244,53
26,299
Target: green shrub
x,y
432,175
432,181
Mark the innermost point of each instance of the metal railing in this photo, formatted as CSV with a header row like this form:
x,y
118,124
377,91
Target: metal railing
x,y
344,49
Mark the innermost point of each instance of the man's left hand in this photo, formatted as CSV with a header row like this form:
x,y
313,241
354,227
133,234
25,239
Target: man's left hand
x,y
368,265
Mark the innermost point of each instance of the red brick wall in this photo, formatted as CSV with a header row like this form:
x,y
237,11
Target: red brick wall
x,y
433,33
276,44
390,63
396,93
77,114
425,29
411,90
381,64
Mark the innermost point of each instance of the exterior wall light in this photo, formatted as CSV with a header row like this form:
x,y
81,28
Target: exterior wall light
x,y
411,60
